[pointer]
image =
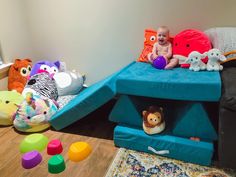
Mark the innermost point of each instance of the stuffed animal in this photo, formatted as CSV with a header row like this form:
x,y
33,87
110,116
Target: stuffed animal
x,y
9,101
153,120
214,57
34,113
48,66
42,84
150,38
18,74
195,61
187,41
69,83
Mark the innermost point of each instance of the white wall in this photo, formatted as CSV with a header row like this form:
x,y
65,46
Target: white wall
x,y
100,36
14,31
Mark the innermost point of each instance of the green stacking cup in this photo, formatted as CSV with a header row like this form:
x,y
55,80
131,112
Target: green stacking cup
x,y
36,141
56,164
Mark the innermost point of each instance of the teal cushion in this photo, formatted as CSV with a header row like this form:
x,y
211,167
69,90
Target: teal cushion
x,y
86,102
142,79
183,118
179,148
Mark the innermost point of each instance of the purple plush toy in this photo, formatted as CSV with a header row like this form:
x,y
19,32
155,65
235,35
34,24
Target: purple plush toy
x,y
48,66
159,62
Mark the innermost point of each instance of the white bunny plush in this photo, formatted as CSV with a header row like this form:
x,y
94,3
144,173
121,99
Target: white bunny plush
x,y
214,57
195,61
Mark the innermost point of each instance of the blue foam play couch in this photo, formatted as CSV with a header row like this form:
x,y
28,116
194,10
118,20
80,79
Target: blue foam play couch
x,y
180,91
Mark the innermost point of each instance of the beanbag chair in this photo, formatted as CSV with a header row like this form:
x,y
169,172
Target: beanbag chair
x,y
68,83
34,113
187,41
9,101
42,84
18,73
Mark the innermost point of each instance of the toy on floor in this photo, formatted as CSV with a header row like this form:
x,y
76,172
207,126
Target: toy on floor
x,y
69,83
56,164
42,84
150,38
48,66
153,120
31,159
34,113
54,147
36,141
18,73
195,61
187,41
79,151
9,101
214,58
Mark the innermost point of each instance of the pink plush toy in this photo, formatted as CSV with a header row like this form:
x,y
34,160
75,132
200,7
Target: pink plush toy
x,y
187,41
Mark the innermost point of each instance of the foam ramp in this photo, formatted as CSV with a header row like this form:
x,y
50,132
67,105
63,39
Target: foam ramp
x,y
86,102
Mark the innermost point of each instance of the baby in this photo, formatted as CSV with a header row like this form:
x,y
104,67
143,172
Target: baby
x,y
163,48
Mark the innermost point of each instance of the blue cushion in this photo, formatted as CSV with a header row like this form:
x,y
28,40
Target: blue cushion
x,y
184,119
142,79
179,148
87,101
191,120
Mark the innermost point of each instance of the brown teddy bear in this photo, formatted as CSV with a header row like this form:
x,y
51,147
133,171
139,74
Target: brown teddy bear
x,y
153,120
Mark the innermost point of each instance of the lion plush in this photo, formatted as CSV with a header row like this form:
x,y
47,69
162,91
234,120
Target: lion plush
x,y
18,74
153,120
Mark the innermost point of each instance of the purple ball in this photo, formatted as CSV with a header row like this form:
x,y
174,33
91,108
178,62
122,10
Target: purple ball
x,y
159,62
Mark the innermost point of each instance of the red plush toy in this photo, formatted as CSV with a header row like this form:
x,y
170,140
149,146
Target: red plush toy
x,y
150,38
18,74
187,41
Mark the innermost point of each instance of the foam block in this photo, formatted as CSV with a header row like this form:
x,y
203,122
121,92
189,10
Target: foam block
x,y
178,148
192,121
141,79
87,101
184,119
126,111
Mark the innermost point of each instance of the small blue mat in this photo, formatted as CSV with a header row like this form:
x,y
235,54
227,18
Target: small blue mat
x,y
142,79
179,148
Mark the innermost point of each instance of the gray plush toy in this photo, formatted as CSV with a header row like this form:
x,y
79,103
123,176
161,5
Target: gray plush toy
x,y
69,83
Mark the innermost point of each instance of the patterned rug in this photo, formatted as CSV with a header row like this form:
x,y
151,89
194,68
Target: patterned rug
x,y
129,163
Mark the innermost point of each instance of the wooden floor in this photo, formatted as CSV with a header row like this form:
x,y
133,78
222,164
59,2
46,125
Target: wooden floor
x,y
95,129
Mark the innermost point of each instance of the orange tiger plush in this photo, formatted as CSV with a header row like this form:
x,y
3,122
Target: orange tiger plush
x,y
18,73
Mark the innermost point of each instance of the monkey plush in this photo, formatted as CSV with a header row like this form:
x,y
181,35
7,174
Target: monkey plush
x,y
153,120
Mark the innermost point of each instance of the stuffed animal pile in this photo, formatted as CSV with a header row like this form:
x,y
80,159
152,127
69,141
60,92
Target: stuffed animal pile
x,y
33,99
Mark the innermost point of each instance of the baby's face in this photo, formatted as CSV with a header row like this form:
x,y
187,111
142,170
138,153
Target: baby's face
x,y
163,36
